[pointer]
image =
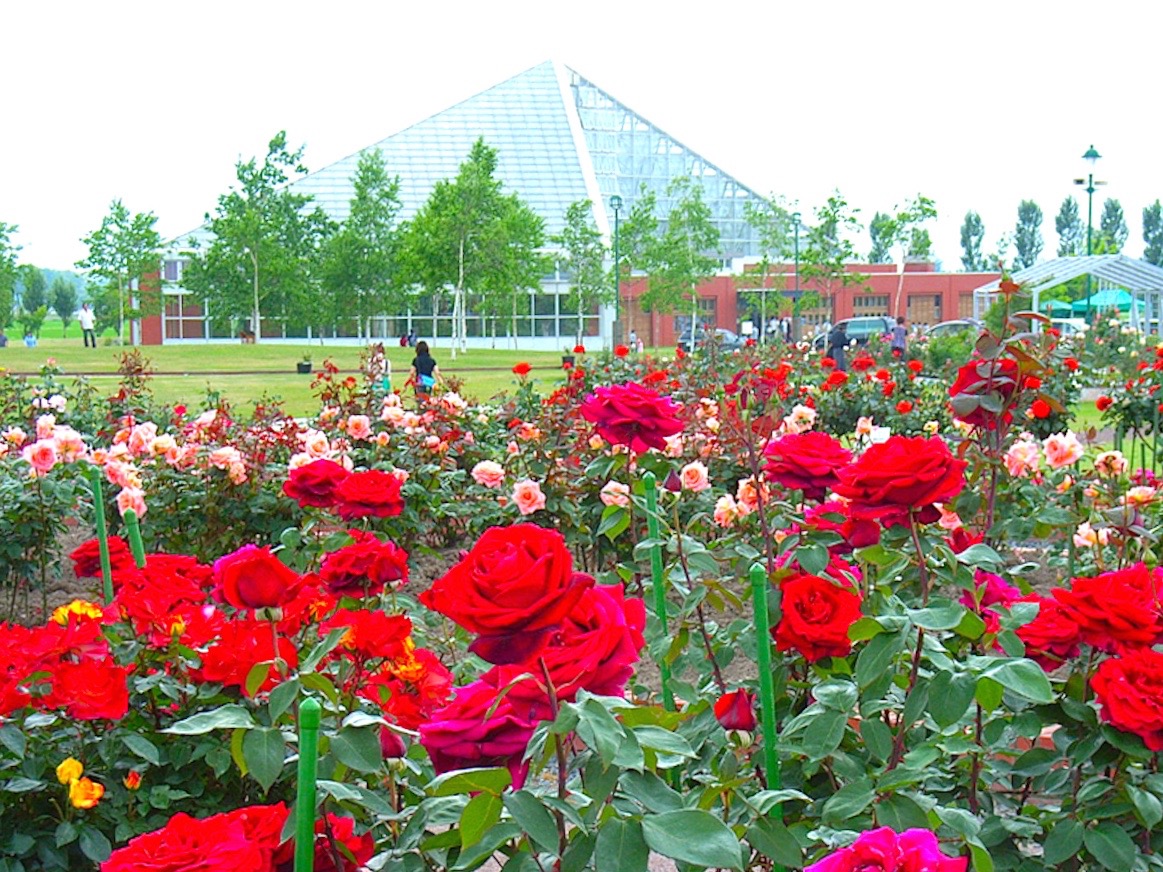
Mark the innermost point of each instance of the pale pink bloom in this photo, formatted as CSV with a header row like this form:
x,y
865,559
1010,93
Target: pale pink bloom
x,y
316,443
225,457
236,472
707,408
801,420
206,419
1062,449
359,427
528,496
301,458
1110,463
712,424
393,415
183,457
122,435
382,439
393,400
748,496
513,447
70,444
1139,496
950,520
453,402
694,477
1023,458
119,452
45,425
864,426
329,414
57,402
401,475
432,442
119,472
596,442
99,456
1086,536
528,432
488,473
162,445
41,455
470,438
726,511
131,498
412,421
15,436
3,448
614,493
674,445
140,438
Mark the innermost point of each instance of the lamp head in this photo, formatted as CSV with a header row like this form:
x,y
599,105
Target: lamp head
x,y
1091,156
615,202
795,218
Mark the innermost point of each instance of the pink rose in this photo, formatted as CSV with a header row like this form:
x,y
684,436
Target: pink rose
x,y
488,473
41,455
528,496
1062,449
614,493
131,498
884,850
359,427
694,477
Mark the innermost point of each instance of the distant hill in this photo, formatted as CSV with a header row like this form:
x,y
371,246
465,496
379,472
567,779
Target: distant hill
x,y
50,275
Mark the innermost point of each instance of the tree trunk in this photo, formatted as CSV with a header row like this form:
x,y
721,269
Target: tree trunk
x,y
256,323
120,311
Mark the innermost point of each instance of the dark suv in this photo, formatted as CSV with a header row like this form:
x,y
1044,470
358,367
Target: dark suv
x,y
859,329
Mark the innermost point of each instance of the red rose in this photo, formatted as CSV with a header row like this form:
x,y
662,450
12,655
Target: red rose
x,y
514,586
1129,690
899,476
237,840
410,688
1052,637
371,493
916,366
371,635
735,710
86,557
314,484
337,848
862,362
984,390
621,350
241,645
579,349
1070,363
827,363
90,690
521,369
1116,610
254,578
805,461
1103,403
835,378
482,727
1040,408
632,415
816,615
961,539
364,567
904,407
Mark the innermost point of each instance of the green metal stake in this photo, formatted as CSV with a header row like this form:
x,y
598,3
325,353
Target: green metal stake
x,y
759,588
102,533
131,526
305,798
656,581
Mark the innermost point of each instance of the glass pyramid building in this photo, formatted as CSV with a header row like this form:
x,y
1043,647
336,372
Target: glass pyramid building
x,y
560,139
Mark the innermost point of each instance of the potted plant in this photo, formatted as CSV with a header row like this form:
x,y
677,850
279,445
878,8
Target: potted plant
x,y
304,364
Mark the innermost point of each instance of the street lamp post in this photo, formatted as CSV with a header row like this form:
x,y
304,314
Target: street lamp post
x,y
795,217
1091,157
616,205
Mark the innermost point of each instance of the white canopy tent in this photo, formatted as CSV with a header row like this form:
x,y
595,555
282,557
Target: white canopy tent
x,y
1143,280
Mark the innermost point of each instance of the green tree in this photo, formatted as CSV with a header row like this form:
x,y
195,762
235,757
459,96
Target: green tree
x,y
35,289
1028,235
63,295
1153,233
1071,233
265,252
584,259
1113,226
827,250
972,236
774,230
881,229
686,254
360,267
920,244
124,248
8,271
904,230
471,236
638,238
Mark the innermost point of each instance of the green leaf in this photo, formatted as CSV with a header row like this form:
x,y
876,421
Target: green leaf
x,y
227,717
489,780
475,854
864,628
622,846
142,747
358,747
773,840
1147,806
257,676
615,522
1110,845
66,833
598,729
325,647
264,751
988,693
651,791
1024,677
1062,842
836,694
692,836
13,739
824,734
812,558
960,821
848,802
94,844
941,617
949,696
481,812
982,861
663,741
534,819
282,696
980,555
877,738
901,813
876,658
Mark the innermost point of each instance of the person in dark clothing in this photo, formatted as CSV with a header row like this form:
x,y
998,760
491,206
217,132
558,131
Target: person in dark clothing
x,y
425,373
837,344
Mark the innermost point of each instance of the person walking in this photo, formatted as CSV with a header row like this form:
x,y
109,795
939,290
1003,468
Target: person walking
x,y
837,345
425,373
87,321
900,338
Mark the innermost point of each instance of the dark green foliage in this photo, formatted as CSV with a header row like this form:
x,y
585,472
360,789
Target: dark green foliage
x,y
1071,233
1028,234
972,236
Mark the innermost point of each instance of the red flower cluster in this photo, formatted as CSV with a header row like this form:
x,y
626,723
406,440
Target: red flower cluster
x,y
86,557
314,484
365,567
521,369
371,493
808,461
632,415
246,839
901,476
1129,690
1116,611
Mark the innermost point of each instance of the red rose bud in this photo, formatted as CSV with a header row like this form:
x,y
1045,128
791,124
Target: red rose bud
x,y
1103,403
904,407
579,349
1070,363
391,745
521,369
1040,409
672,482
621,350
916,366
735,710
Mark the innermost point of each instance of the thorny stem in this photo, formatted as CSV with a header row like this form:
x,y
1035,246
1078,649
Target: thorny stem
x,y
975,768
706,637
898,743
922,567
761,504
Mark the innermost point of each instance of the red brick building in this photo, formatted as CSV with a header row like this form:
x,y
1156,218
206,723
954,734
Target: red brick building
x,y
921,294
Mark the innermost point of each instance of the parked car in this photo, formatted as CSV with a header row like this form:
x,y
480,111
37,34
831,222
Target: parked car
x,y
948,328
723,339
859,329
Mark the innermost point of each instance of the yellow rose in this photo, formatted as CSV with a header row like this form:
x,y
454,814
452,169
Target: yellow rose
x,y
69,771
84,793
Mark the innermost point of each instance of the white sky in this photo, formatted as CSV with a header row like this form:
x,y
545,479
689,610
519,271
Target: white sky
x,y
977,105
